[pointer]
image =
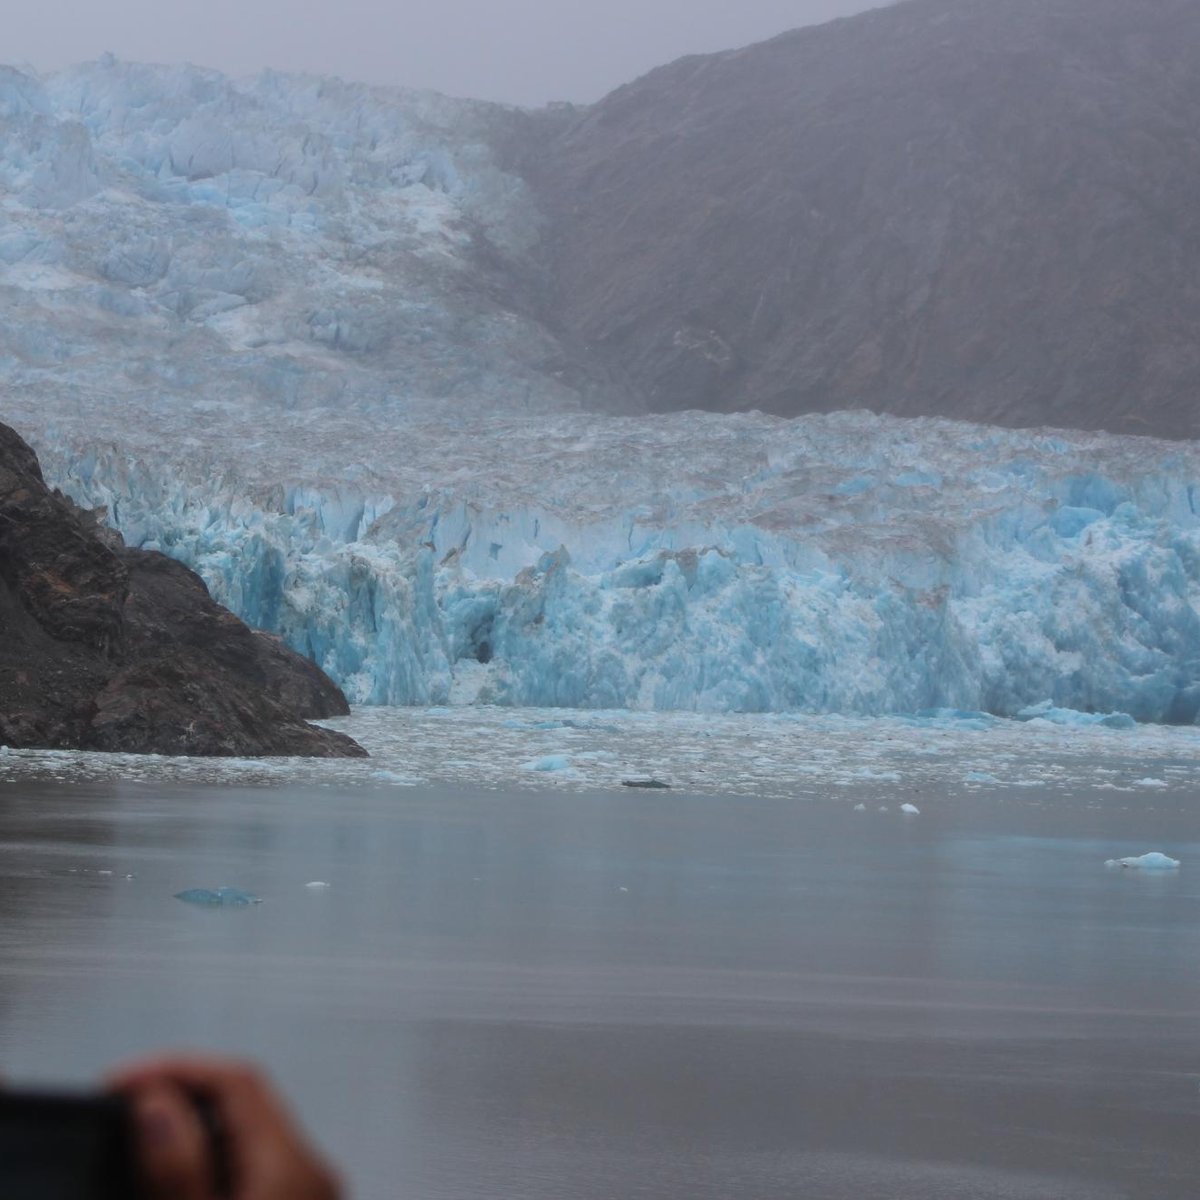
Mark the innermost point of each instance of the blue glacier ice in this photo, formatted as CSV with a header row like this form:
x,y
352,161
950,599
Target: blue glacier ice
x,y
1154,861
1046,711
251,323
549,763
692,561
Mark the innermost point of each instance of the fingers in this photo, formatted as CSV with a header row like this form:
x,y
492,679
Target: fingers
x,y
170,1145
269,1158
253,1120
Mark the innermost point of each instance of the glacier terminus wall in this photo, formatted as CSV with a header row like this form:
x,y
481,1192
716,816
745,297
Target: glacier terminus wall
x,y
844,563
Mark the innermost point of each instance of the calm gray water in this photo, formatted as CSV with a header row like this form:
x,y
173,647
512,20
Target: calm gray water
x,y
573,996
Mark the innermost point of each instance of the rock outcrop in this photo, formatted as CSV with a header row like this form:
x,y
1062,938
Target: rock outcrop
x,y
978,209
103,647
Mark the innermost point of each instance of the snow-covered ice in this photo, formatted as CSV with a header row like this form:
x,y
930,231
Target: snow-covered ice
x,y
910,810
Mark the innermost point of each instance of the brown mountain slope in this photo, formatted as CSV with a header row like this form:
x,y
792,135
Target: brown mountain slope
x,y
983,209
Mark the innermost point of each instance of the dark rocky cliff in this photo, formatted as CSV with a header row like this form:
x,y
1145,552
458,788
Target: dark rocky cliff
x,y
981,209
107,648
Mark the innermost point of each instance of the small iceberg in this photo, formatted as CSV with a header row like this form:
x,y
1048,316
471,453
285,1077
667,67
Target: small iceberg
x,y
1154,861
222,897
1046,711
981,777
910,809
551,762
317,885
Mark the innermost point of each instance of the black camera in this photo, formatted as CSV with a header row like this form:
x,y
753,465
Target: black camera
x,y
65,1147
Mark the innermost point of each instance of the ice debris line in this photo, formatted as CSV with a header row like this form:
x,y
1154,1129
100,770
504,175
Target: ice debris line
x,y
1154,861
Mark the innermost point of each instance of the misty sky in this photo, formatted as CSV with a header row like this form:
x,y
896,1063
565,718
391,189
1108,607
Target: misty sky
x,y
522,51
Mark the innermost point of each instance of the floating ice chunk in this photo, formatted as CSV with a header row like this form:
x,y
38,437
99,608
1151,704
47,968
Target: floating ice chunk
x,y
910,810
1154,861
883,808
103,872
317,885
981,777
1150,782
227,897
551,762
392,777
1046,711
860,808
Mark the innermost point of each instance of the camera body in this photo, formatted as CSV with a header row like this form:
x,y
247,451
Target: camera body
x,y
59,1146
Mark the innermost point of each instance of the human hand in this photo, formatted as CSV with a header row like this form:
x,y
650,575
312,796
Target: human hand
x,y
268,1157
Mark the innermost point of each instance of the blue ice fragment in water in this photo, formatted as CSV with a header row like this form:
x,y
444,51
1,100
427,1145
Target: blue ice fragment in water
x,y
227,897
981,777
551,762
1154,861
1070,717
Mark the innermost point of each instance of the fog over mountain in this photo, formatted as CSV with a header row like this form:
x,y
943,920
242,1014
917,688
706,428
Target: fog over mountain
x,y
981,209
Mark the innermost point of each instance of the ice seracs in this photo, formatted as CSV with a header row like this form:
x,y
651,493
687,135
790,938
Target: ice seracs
x,y
689,561
251,324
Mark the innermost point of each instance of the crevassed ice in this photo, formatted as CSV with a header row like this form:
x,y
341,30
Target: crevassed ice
x,y
169,233
262,324
844,563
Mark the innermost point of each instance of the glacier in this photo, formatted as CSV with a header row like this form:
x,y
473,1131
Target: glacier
x,y
280,241
276,328
827,564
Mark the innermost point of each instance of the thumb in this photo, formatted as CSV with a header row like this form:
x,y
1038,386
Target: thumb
x,y
170,1145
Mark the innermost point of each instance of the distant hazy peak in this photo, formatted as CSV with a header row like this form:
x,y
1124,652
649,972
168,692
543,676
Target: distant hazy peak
x,y
971,208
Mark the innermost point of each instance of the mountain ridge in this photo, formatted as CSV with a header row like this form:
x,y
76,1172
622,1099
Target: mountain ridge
x,y
940,208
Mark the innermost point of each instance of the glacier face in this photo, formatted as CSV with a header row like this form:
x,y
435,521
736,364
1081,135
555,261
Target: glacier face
x,y
844,563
